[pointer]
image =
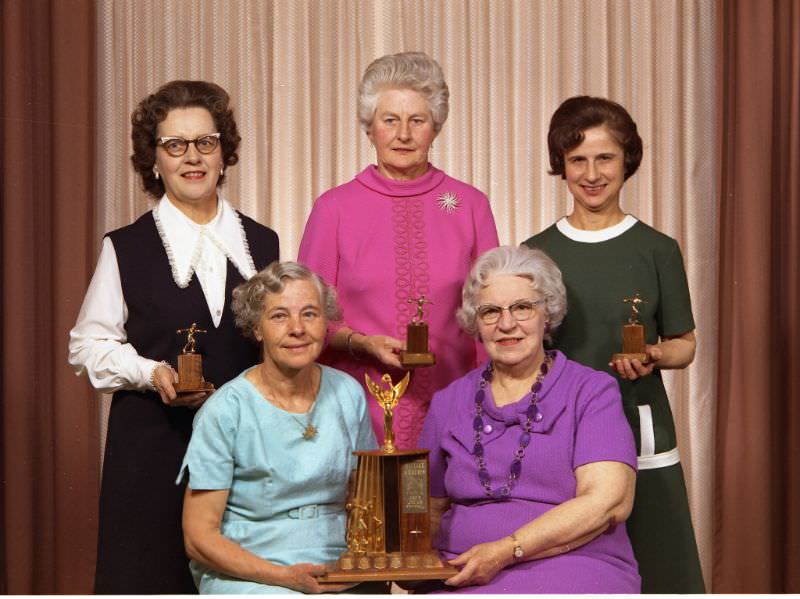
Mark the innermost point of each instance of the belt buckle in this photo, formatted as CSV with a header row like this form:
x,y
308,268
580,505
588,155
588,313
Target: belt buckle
x,y
306,512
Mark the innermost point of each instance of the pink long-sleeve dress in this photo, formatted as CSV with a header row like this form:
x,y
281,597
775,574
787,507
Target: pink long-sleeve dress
x,y
381,242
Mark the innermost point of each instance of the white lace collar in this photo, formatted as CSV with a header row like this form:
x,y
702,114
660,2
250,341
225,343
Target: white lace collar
x,y
585,236
183,239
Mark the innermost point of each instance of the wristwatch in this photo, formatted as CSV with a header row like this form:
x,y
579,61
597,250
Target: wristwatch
x,y
518,552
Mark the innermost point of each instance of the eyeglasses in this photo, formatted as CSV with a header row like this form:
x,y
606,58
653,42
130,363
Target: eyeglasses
x,y
177,146
520,310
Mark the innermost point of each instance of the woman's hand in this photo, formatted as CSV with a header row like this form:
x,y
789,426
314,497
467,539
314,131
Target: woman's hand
x,y
301,577
633,369
381,347
164,379
481,563
672,352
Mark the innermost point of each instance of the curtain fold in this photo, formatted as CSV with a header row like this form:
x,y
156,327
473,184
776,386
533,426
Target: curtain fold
x,y
48,449
757,526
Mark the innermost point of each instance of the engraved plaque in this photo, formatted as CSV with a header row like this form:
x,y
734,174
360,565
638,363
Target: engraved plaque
x,y
415,487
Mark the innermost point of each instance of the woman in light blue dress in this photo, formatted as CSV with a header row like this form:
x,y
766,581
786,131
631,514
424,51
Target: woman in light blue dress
x,y
271,452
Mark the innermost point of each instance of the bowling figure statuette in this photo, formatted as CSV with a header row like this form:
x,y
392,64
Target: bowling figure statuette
x,y
633,334
190,364
417,353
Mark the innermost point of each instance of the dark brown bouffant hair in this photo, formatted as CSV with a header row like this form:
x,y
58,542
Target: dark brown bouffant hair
x,y
579,113
155,108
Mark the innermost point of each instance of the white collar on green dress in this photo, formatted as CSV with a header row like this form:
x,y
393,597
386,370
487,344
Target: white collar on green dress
x,y
595,236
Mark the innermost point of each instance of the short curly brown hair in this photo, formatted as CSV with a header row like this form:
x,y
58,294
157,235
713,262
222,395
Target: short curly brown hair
x,y
155,108
579,113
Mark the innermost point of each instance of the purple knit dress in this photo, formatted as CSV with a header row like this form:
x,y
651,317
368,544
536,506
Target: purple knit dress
x,y
582,423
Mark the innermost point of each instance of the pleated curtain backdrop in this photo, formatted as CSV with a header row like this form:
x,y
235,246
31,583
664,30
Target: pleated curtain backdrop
x,y
292,68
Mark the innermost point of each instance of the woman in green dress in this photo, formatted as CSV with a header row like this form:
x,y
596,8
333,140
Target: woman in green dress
x,y
607,256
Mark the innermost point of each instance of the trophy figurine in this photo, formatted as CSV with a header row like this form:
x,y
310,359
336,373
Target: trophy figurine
x,y
388,513
190,364
416,353
633,345
388,398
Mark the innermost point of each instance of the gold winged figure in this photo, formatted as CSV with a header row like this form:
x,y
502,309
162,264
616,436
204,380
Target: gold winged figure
x,y
388,398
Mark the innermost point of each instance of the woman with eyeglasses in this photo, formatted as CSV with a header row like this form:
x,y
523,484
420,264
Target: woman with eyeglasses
x,y
532,463
173,268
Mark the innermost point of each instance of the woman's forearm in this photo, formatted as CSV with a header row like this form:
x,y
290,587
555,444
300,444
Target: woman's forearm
x,y
677,352
564,528
579,520
220,554
339,339
205,543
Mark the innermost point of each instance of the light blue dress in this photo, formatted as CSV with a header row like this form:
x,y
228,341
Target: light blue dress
x,y
286,493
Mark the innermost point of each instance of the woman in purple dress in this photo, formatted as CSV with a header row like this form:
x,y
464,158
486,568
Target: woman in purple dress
x,y
532,462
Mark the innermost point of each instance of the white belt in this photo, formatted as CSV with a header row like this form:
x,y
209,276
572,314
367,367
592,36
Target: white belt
x,y
309,512
648,458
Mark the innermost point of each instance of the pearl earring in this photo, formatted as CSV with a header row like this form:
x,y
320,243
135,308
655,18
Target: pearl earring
x,y
155,172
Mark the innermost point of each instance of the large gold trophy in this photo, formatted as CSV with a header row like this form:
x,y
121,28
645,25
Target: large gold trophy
x,y
388,514
633,339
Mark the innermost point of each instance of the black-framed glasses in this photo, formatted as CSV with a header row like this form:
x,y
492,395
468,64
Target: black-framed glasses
x,y
177,146
520,310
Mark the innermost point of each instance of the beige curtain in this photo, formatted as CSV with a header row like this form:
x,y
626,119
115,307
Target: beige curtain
x,y
292,68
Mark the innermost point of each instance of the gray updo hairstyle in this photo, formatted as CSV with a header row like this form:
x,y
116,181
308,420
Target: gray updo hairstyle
x,y
249,297
407,70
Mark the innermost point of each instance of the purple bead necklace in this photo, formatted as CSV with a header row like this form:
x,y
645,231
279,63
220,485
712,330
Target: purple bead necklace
x,y
532,414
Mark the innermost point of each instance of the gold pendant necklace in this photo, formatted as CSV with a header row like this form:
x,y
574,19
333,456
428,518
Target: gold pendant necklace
x,y
310,431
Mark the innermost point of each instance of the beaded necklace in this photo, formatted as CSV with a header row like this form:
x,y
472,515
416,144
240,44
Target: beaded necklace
x,y
532,415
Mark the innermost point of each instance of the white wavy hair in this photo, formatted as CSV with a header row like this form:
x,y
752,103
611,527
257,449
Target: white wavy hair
x,y
531,264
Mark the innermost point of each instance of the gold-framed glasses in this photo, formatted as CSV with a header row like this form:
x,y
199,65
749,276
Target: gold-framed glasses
x,y
520,310
177,146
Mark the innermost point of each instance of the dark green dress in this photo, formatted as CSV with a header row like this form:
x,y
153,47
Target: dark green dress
x,y
600,269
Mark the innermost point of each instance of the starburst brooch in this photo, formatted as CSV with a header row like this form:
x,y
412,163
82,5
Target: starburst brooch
x,y
449,202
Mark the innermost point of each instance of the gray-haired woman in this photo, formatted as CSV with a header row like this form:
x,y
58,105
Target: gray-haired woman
x,y
532,464
400,230
271,451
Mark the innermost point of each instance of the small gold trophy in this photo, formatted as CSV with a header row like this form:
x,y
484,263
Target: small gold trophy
x,y
190,364
633,344
416,353
388,513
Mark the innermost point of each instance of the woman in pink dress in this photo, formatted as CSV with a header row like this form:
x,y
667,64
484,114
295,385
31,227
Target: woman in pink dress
x,y
400,230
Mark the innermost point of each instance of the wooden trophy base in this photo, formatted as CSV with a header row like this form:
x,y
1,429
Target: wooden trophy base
x,y
641,357
412,360
190,375
388,530
389,566
416,353
633,345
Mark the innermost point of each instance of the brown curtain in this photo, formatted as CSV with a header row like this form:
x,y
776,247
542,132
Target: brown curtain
x,y
757,526
49,463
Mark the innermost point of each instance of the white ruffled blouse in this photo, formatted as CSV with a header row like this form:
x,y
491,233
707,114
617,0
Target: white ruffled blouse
x,y
98,341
